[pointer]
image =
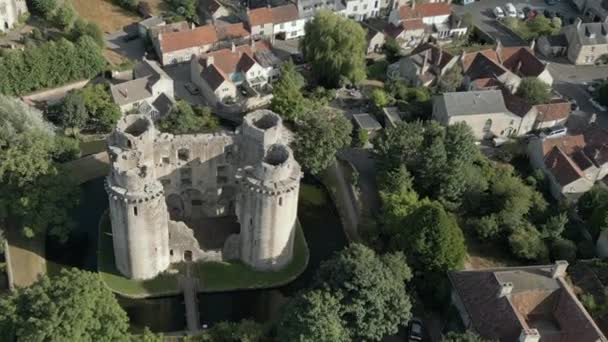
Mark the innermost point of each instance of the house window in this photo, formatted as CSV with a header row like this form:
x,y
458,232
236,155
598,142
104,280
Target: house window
x,y
376,4
262,32
183,154
293,24
355,8
364,7
282,26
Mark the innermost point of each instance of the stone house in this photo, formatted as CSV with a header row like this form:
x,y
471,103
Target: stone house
x,y
221,74
593,10
572,163
423,67
308,8
375,40
586,42
409,33
260,22
484,111
523,304
10,10
287,23
144,26
362,9
179,46
151,91
503,65
536,117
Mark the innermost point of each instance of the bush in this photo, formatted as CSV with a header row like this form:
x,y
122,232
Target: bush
x,y
362,138
586,249
130,5
563,249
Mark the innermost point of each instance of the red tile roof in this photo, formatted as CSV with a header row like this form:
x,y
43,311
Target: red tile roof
x,y
260,16
557,110
425,10
232,31
228,61
285,13
413,24
562,167
175,41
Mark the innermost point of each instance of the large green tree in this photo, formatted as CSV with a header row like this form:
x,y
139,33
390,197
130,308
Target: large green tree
x,y
371,289
602,94
103,112
467,336
335,48
74,306
534,91
319,135
287,97
43,8
431,238
243,331
184,118
314,316
74,113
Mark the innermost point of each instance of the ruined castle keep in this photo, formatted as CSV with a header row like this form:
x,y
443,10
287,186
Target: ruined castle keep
x,y
202,197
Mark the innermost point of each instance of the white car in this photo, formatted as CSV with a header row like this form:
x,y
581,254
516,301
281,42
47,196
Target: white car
x,y
520,14
510,10
498,12
597,105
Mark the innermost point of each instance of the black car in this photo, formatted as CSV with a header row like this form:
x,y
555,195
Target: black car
x,y
526,11
415,331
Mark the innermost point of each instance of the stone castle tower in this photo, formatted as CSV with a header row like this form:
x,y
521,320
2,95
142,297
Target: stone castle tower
x,y
172,197
10,10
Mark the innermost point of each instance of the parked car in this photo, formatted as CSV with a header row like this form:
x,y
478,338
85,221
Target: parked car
x,y
499,13
510,10
573,104
415,330
551,2
520,14
592,86
597,105
554,132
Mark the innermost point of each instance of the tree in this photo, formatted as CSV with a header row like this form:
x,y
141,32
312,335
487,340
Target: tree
x,y
287,97
591,201
379,98
431,239
43,8
314,316
526,243
392,49
540,25
563,249
554,227
82,28
102,110
74,113
64,16
183,119
183,10
318,137
26,142
243,331
75,306
451,80
370,288
467,336
147,336
335,48
534,91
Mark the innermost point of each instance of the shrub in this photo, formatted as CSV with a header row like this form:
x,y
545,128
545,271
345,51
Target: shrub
x,y
563,249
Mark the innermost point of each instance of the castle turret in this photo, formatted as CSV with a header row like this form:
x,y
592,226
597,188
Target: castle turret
x,y
267,208
137,204
259,130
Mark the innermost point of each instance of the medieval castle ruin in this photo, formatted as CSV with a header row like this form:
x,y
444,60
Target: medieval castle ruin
x,y
10,10
202,197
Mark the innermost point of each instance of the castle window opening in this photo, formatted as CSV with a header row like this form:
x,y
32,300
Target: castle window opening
x,y
166,160
183,154
280,200
196,202
171,252
135,210
129,144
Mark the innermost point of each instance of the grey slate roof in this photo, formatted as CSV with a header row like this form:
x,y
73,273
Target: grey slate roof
x,y
131,91
366,122
473,102
391,116
152,22
592,33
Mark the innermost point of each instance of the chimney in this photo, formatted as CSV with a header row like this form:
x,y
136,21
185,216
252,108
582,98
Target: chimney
x,y
252,45
559,269
505,289
232,47
578,22
529,335
192,26
498,50
209,61
533,44
425,62
588,33
605,29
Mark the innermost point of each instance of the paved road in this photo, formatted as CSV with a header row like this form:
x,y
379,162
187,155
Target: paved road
x,y
366,166
481,12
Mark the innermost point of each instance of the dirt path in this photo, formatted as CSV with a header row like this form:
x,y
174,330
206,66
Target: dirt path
x,y
25,258
342,197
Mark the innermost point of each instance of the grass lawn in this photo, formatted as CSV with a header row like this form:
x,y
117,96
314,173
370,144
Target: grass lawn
x,y
87,168
214,276
92,147
108,16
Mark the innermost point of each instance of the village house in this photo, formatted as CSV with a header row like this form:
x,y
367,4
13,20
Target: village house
x,y
572,163
180,46
308,8
484,111
375,40
587,42
144,26
504,66
593,10
362,9
225,75
210,11
10,10
282,22
537,117
423,67
150,92
524,304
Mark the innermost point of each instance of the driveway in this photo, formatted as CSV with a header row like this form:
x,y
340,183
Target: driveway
x,y
180,73
579,119
483,18
126,42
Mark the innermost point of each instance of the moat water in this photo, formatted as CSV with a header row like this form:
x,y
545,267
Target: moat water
x,y
322,228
